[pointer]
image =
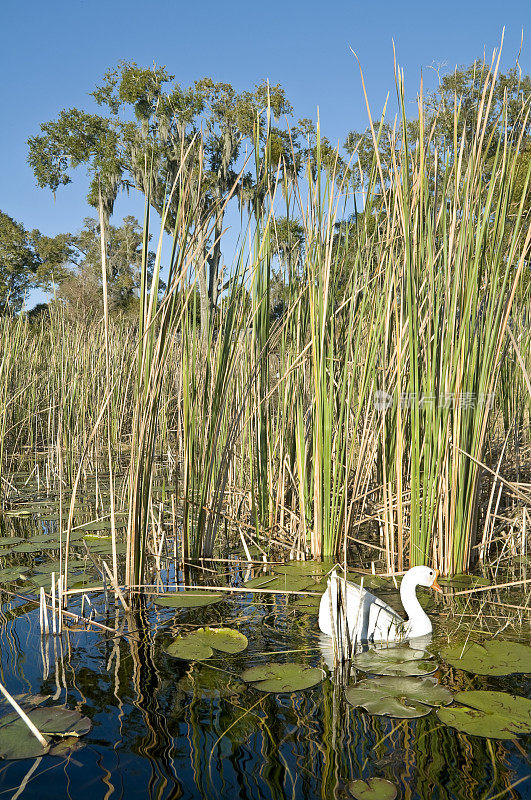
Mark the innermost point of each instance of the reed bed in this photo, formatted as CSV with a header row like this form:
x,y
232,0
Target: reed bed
x,y
386,409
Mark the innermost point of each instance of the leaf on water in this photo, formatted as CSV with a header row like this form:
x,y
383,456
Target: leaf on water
x,y
404,698
307,605
201,643
495,657
189,648
225,639
11,574
17,741
493,715
372,789
283,583
210,683
396,661
283,677
305,569
371,581
188,599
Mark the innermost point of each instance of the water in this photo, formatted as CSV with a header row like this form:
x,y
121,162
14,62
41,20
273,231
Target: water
x,y
165,728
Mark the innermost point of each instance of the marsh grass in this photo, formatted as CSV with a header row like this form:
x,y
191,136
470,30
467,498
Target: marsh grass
x,y
273,424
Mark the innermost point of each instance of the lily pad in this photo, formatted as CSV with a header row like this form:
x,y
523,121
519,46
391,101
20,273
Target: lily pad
x,y
396,661
493,715
307,605
490,658
210,683
283,677
191,599
282,583
305,569
404,698
372,789
201,643
225,639
17,741
189,648
11,574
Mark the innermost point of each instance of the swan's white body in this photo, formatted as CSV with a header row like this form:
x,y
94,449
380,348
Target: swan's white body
x,y
369,619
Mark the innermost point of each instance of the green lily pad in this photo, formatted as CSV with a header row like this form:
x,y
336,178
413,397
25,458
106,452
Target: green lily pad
x,y
11,574
372,789
283,677
307,605
189,648
283,583
490,658
210,683
45,580
371,581
191,599
17,741
493,715
396,661
304,569
201,643
225,639
405,698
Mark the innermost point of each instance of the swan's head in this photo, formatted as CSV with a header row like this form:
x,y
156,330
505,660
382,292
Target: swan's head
x,y
423,576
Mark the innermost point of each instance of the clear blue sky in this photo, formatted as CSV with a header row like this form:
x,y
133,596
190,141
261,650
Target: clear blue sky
x,y
52,54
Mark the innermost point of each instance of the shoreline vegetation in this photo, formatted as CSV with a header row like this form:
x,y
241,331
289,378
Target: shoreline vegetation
x,y
382,410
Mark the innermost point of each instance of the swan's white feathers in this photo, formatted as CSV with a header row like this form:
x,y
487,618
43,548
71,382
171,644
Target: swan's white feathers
x,y
369,619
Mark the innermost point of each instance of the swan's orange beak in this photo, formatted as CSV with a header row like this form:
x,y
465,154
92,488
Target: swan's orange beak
x,y
435,586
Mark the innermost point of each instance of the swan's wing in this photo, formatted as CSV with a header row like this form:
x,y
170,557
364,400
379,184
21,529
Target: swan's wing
x,y
368,617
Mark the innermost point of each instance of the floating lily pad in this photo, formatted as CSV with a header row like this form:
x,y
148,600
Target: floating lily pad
x,y
372,789
201,643
17,741
490,658
405,698
396,661
493,715
210,683
225,639
307,605
371,581
11,574
189,648
191,599
305,569
283,583
283,677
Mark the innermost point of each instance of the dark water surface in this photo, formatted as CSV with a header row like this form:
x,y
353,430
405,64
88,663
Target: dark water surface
x,y
164,728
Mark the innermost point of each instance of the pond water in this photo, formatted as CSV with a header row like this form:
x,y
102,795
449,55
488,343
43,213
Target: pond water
x,y
162,727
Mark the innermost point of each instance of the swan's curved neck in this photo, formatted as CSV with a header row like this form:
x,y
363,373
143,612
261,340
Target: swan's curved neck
x,y
418,621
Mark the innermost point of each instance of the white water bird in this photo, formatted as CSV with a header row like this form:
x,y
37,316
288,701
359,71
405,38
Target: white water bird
x,y
369,619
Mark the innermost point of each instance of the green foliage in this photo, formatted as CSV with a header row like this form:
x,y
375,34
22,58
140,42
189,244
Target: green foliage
x,y
18,263
80,285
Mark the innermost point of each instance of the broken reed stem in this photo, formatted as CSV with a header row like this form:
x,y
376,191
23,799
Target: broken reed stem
x,y
23,716
490,588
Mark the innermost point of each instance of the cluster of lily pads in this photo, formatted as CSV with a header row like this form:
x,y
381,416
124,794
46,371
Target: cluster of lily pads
x,y
61,727
399,680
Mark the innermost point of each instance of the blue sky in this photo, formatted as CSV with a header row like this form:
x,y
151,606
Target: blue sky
x,y
53,54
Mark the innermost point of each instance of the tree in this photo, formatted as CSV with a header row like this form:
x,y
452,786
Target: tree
x,y
80,285
456,100
27,260
18,263
147,137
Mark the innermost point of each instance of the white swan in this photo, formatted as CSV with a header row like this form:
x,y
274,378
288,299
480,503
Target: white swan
x,y
369,619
